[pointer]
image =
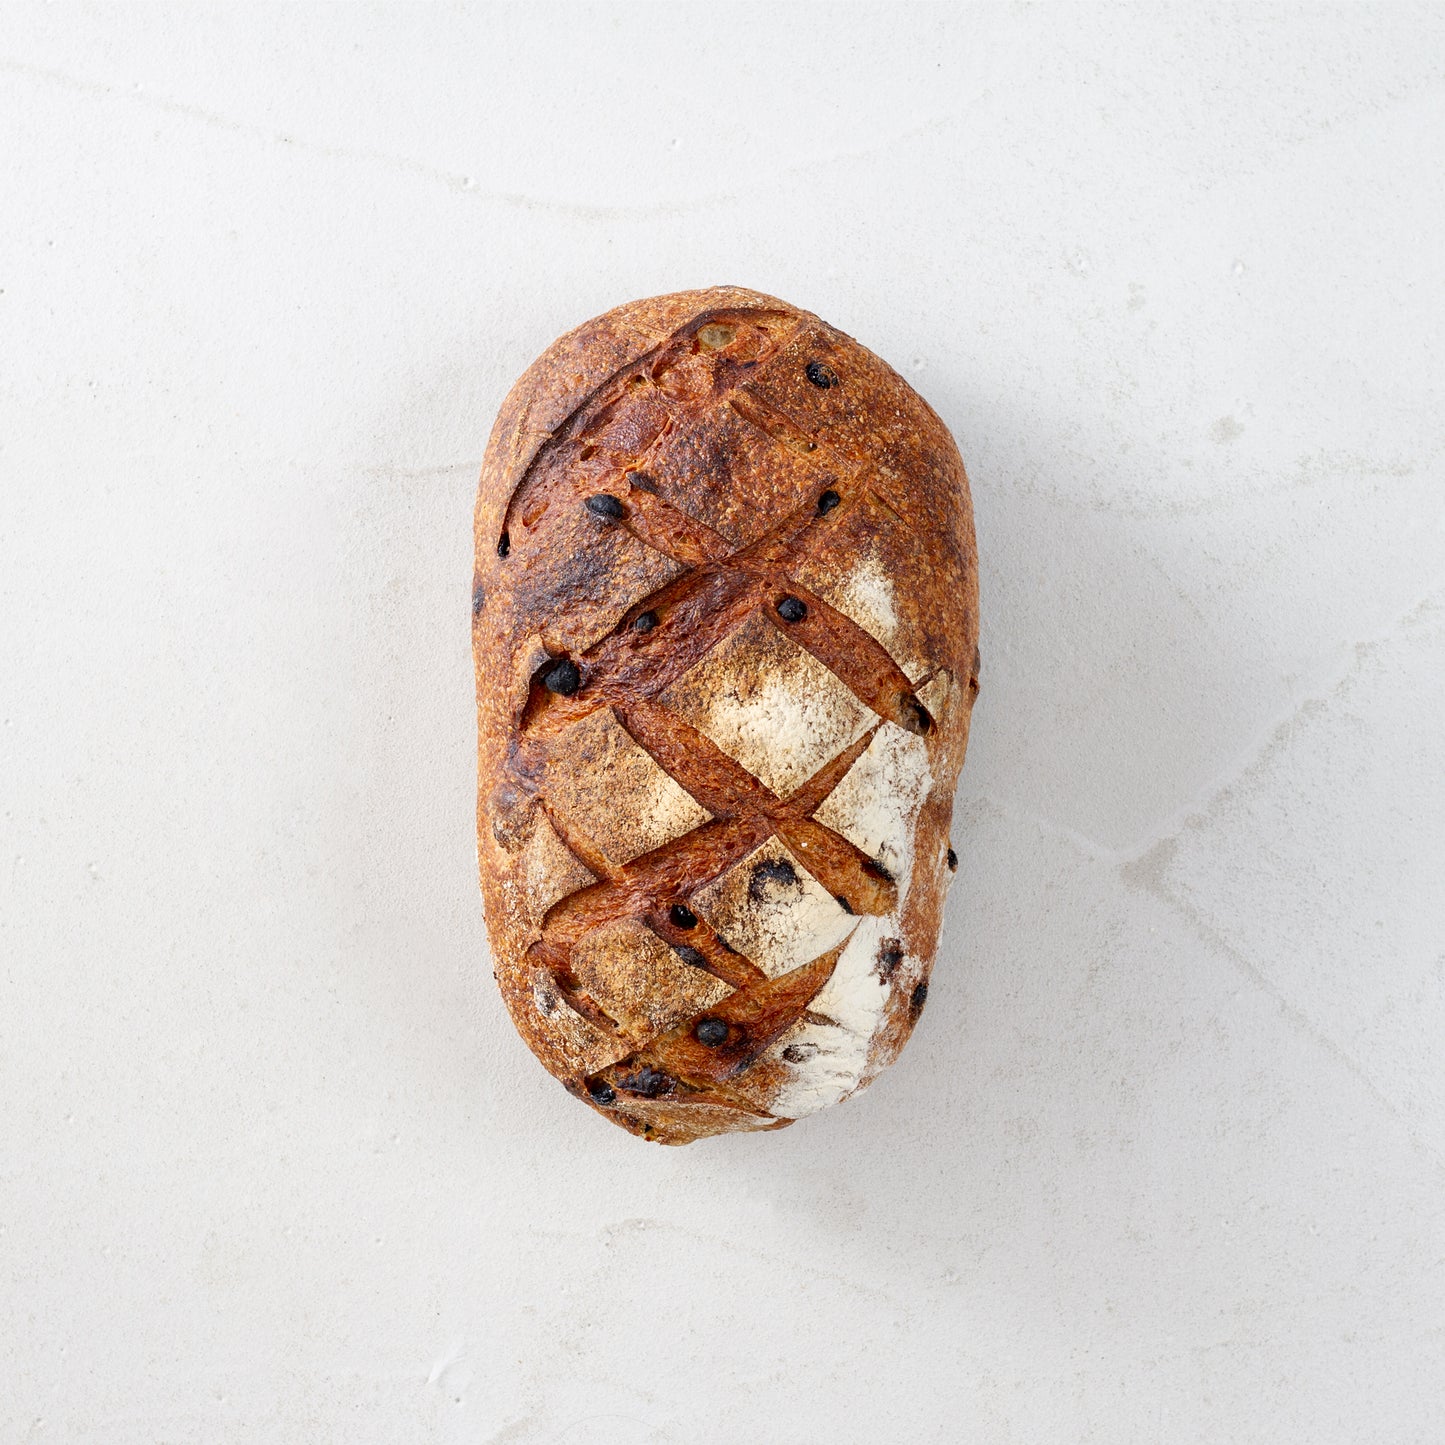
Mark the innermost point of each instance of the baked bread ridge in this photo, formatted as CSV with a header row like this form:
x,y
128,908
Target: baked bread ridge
x,y
725,620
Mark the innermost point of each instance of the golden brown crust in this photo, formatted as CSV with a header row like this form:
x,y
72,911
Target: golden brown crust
x,y
739,677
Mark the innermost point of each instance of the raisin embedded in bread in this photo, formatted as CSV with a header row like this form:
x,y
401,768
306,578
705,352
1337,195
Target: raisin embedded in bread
x,y
725,622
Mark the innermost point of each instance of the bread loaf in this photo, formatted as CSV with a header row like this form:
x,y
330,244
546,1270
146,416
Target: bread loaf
x,y
725,616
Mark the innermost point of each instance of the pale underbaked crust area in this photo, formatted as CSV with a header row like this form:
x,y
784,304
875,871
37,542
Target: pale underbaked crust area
x,y
725,621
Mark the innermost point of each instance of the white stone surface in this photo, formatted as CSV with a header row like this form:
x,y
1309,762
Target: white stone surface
x,y
1164,1161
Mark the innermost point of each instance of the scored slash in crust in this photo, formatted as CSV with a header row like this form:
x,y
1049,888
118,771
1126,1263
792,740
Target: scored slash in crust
x,y
744,544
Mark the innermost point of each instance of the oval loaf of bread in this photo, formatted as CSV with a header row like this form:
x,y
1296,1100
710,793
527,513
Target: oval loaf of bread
x,y
725,616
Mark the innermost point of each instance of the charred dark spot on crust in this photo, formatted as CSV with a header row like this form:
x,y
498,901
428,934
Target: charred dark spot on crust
x,y
916,718
770,871
821,375
504,544
877,869
919,998
790,609
644,622
688,954
952,861
562,677
601,1092
642,481
845,905
479,599
681,916
799,1053
827,502
890,955
647,1083
711,1032
606,506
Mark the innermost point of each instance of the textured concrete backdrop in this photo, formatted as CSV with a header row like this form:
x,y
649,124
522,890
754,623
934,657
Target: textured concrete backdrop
x,y
1164,1161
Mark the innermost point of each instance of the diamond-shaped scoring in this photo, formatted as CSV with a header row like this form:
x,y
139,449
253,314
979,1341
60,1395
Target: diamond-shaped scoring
x,y
846,567
629,972
729,474
601,568
547,871
864,413
593,765
875,805
772,910
769,705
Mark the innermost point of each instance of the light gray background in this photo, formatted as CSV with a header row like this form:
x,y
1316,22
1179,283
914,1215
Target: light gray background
x,y
1164,1161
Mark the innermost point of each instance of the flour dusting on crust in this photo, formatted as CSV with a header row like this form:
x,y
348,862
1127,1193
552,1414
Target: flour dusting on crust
x,y
771,909
770,705
876,807
598,763
867,596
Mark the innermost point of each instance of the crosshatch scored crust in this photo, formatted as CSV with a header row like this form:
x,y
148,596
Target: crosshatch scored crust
x,y
725,623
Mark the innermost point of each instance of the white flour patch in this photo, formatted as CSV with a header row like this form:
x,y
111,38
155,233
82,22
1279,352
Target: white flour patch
x,y
769,704
765,730
548,870
770,908
670,811
596,764
867,597
837,1053
875,807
